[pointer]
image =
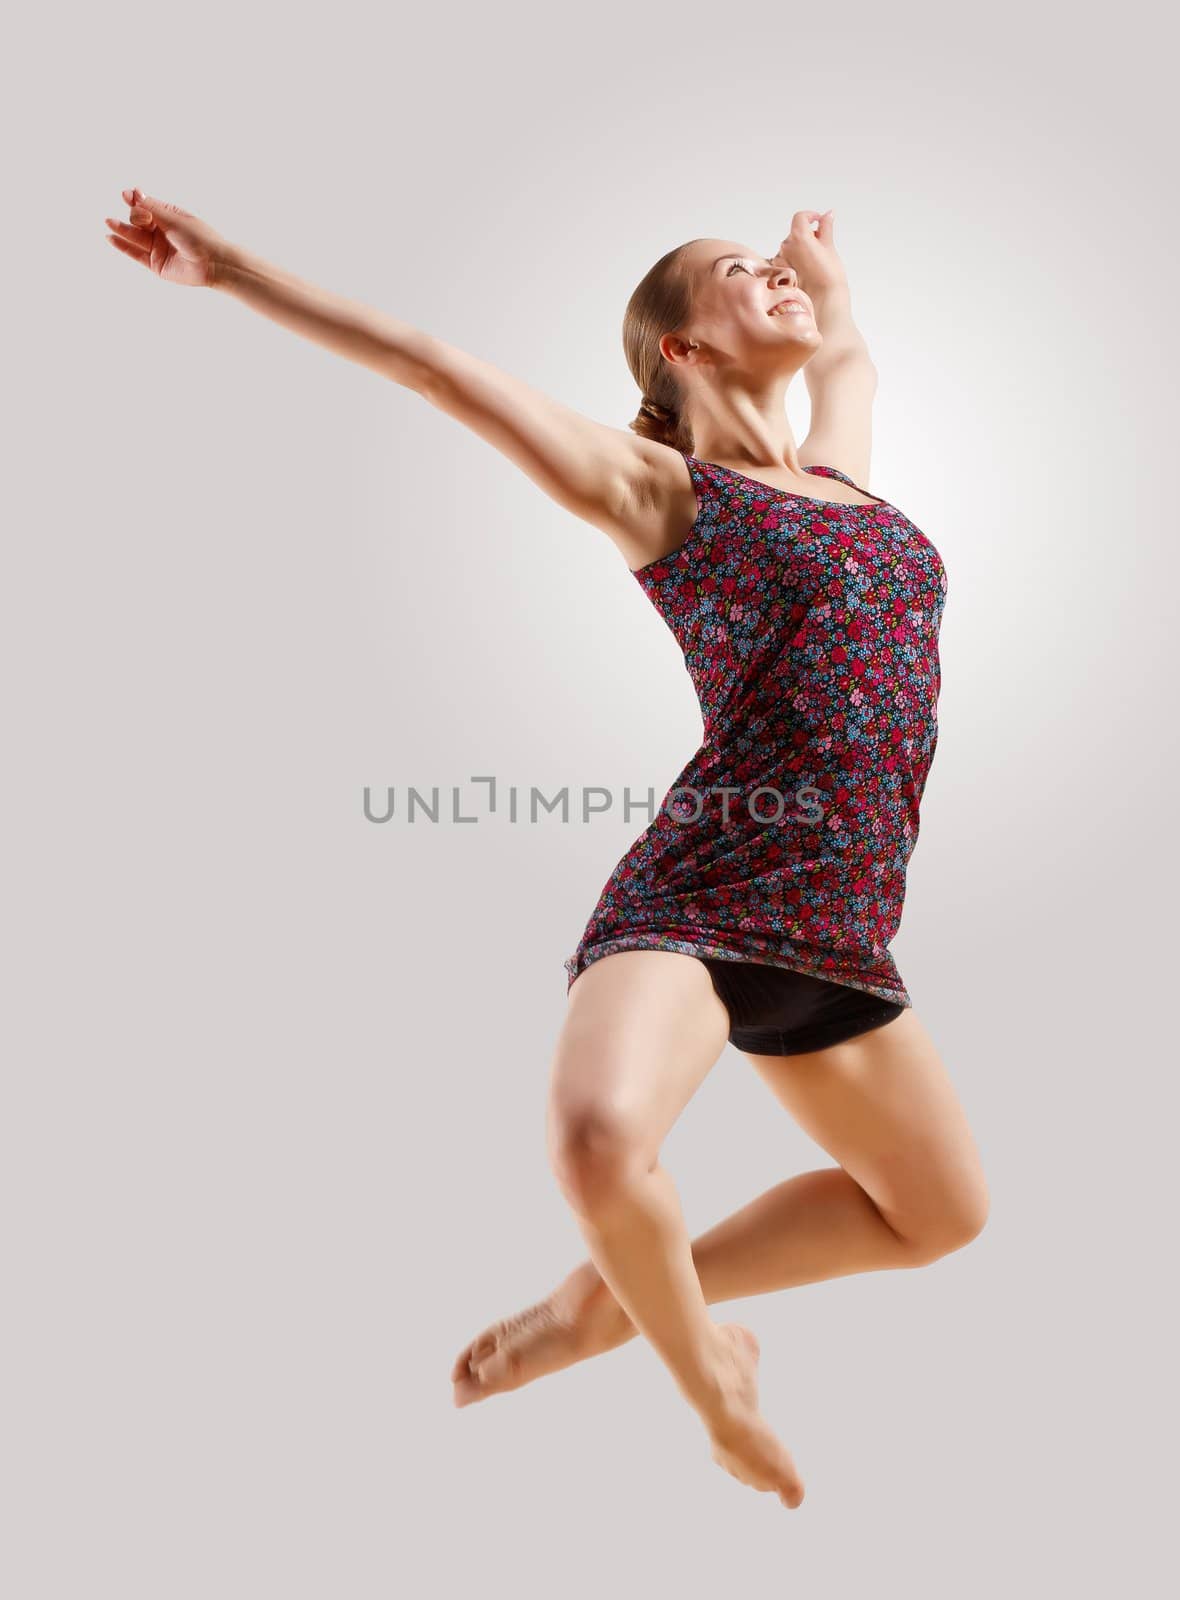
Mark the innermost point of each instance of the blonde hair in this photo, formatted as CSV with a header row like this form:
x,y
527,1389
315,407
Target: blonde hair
x,y
661,302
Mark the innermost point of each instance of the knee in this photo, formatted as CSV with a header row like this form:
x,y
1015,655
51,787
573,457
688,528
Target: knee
x,y
959,1222
594,1153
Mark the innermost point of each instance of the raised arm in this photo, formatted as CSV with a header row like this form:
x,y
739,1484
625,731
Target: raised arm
x,y
841,378
601,474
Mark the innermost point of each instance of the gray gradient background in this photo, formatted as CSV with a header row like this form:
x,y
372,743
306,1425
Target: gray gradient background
x,y
274,1077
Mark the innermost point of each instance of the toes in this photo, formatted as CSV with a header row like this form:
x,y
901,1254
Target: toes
x,y
479,1379
472,1354
495,1370
483,1347
480,1369
470,1374
466,1391
790,1487
462,1363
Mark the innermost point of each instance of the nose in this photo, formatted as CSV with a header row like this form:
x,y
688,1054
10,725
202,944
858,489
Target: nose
x,y
785,273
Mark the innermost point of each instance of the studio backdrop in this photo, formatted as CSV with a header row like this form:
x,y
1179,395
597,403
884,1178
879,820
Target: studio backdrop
x,y
291,655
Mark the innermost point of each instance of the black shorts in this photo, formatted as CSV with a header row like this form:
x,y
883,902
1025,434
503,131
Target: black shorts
x,y
776,1012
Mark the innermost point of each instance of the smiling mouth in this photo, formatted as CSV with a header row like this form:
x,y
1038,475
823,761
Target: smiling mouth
x,y
784,308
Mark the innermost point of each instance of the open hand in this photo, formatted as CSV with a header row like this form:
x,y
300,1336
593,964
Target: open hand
x,y
172,243
812,253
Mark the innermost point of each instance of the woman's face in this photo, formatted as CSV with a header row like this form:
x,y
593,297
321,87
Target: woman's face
x,y
739,312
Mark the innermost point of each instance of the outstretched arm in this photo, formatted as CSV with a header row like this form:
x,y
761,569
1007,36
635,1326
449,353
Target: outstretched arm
x,y
841,378
601,474
351,329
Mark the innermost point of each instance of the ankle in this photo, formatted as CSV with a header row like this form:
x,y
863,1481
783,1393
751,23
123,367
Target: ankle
x,y
596,1317
717,1391
605,1325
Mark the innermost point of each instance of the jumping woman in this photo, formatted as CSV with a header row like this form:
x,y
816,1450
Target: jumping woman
x,y
759,905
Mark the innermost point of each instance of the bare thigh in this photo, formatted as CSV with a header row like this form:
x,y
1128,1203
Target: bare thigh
x,y
643,1029
883,1106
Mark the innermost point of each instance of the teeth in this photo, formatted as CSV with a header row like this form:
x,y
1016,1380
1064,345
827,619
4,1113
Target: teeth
x,y
787,307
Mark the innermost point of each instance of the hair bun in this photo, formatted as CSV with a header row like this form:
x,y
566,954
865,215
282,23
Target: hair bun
x,y
654,409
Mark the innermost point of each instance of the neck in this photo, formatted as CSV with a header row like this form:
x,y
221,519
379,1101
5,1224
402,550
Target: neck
x,y
744,427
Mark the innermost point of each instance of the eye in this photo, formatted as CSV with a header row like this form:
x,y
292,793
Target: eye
x,y
733,264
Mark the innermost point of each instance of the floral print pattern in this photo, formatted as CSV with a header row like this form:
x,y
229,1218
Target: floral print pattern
x,y
810,630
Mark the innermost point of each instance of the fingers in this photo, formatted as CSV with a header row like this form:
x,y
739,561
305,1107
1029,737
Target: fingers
x,y
806,249
154,205
141,215
801,225
138,236
132,250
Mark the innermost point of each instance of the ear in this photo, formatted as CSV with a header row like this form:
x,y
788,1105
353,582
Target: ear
x,y
673,348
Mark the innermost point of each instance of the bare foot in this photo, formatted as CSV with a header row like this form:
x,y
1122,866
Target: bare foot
x,y
581,1318
743,1441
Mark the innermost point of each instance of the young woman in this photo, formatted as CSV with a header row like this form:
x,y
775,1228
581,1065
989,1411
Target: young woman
x,y
759,905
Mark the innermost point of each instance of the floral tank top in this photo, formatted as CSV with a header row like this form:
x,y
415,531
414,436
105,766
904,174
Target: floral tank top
x,y
809,629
